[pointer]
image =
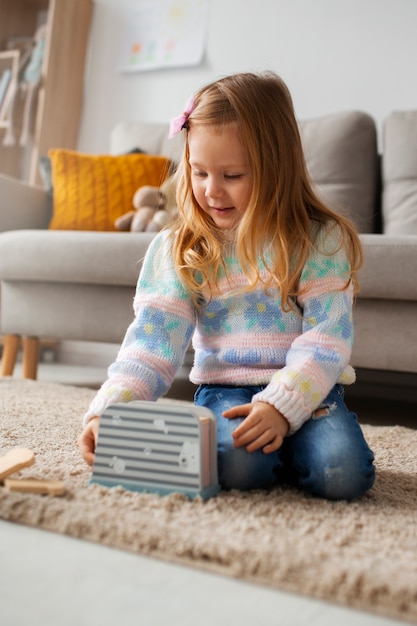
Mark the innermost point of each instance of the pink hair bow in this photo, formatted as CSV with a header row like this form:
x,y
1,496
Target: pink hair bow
x,y
177,123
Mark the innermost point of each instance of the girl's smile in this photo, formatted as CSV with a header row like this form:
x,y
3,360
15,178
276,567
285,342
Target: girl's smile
x,y
220,173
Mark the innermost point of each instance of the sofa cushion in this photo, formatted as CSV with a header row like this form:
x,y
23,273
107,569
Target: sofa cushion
x,y
342,159
152,137
91,191
340,149
399,198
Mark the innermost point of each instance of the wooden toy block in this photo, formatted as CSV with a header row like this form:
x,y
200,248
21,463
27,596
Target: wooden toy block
x,y
15,460
32,485
153,446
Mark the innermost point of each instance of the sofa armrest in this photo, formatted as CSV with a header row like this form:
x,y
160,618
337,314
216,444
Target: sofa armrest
x,y
22,205
390,267
73,257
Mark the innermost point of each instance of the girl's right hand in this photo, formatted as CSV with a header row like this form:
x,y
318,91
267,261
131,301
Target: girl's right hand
x,y
87,441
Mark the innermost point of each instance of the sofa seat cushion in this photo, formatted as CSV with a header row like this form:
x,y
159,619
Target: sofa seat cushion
x,y
399,198
81,257
390,267
389,270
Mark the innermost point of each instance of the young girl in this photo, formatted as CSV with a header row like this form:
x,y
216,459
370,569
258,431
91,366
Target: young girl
x,y
260,273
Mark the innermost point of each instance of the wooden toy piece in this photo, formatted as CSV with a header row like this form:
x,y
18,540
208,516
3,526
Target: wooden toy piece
x,y
15,460
31,485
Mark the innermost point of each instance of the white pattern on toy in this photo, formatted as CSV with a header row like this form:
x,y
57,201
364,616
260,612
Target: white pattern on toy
x,y
189,457
118,465
160,424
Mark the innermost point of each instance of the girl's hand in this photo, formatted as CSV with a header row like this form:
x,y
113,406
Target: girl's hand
x,y
264,427
87,441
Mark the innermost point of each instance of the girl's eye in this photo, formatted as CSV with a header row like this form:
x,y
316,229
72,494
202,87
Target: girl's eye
x,y
202,174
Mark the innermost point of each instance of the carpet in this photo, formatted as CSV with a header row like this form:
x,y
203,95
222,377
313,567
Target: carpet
x,y
361,554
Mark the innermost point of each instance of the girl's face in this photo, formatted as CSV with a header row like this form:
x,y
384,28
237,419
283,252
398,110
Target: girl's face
x,y
221,176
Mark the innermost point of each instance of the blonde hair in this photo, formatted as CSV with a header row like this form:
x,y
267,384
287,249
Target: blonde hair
x,y
283,208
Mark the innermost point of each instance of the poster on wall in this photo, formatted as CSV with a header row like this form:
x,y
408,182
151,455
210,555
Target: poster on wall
x,y
163,34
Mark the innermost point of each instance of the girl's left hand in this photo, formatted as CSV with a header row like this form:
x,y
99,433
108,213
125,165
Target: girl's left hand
x,y
263,427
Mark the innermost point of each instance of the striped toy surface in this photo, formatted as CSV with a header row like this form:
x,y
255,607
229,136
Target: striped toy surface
x,y
157,447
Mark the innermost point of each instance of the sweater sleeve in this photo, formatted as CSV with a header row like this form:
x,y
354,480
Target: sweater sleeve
x,y
155,343
319,357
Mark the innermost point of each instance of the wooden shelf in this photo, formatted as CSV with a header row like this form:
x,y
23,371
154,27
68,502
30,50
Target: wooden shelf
x,y
55,123
9,61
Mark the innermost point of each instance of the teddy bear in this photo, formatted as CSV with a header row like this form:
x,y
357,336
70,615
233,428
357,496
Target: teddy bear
x,y
154,208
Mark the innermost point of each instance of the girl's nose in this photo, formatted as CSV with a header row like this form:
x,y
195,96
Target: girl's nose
x,y
214,189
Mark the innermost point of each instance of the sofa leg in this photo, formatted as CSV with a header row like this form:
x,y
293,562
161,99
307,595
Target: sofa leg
x,y
30,357
10,349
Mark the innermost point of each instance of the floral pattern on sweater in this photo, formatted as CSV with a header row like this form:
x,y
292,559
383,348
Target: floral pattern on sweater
x,y
239,337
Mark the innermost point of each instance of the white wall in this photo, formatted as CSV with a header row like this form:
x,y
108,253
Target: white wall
x,y
333,54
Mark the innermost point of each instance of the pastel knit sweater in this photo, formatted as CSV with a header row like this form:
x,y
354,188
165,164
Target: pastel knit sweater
x,y
240,338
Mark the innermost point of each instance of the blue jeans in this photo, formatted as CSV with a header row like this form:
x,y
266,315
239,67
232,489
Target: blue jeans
x,y
327,457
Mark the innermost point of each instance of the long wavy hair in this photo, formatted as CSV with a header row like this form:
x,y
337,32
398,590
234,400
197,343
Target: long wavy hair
x,y
284,211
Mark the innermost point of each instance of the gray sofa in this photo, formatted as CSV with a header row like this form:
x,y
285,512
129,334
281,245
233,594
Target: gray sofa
x,y
80,285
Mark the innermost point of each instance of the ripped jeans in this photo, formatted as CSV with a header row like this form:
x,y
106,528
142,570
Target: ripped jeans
x,y
327,457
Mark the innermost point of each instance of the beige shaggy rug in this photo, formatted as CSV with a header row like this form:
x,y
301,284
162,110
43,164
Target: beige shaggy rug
x,y
361,554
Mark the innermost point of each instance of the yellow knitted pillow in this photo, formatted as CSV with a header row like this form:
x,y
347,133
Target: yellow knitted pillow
x,y
91,191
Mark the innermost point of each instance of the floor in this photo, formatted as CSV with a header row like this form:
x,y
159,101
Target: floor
x,y
48,579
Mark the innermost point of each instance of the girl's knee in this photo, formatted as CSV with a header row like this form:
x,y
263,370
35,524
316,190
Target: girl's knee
x,y
242,470
331,456
340,477
339,484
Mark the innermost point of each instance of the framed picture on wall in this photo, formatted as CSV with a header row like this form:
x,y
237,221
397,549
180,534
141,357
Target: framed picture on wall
x,y
163,34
